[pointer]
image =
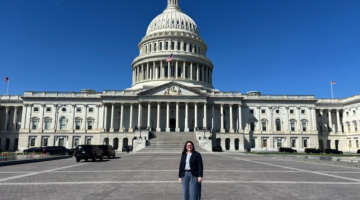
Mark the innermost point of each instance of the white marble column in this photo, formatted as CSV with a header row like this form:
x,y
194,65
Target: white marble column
x,y
157,72
167,116
258,124
184,70
148,115
73,117
322,120
158,128
195,119
203,73
162,71
147,74
28,123
153,71
213,116
169,69
41,119
53,117
131,129
6,118
231,129
15,118
287,118
97,117
197,73
191,71
205,118
23,116
186,117
121,126
271,123
222,130
85,117
239,118
330,127
177,69
105,117
139,115
339,129
112,118
177,128
298,109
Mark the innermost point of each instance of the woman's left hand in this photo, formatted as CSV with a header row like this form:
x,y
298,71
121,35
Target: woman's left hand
x,y
200,179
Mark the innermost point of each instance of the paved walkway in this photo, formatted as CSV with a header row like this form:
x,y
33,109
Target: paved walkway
x,y
154,176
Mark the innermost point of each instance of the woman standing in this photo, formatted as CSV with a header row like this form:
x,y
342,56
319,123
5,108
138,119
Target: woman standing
x,y
191,172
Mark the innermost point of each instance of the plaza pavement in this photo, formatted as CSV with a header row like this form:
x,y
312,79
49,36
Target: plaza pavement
x,y
155,176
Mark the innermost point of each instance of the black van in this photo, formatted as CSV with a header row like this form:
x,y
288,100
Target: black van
x,y
88,152
287,149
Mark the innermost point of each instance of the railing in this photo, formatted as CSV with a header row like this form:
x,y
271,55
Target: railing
x,y
10,97
60,94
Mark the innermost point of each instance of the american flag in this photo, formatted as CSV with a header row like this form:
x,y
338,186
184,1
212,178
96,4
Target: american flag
x,y
6,79
333,82
170,58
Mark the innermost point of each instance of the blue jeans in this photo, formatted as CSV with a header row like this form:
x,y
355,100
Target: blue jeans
x,y
191,187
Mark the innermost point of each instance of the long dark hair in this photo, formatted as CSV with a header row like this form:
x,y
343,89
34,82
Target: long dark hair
x,y
185,150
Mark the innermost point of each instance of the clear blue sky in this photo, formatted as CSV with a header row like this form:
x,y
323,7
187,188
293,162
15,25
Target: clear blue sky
x,y
273,46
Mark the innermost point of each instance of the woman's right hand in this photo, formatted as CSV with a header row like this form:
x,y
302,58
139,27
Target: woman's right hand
x,y
180,180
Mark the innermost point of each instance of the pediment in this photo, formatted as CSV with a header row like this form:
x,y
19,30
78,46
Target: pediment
x,y
172,89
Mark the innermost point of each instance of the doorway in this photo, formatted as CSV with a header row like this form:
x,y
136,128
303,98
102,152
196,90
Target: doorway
x,y
172,125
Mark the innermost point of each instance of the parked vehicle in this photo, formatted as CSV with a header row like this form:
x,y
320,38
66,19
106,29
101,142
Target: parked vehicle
x,y
57,150
108,151
127,148
332,151
313,150
217,148
358,151
33,149
287,150
88,152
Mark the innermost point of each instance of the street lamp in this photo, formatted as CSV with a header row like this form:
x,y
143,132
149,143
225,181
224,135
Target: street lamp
x,y
140,135
204,133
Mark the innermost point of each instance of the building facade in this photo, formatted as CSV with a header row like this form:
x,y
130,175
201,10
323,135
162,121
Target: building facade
x,y
177,96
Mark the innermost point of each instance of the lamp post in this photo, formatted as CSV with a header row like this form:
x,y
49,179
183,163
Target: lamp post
x,y
204,134
140,135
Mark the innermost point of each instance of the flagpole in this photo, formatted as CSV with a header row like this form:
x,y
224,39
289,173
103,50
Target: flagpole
x,y
332,93
7,91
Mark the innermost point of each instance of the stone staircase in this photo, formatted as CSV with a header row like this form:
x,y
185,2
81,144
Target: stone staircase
x,y
160,142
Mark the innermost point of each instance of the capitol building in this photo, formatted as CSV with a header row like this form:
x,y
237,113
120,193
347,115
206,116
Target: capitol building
x,y
177,97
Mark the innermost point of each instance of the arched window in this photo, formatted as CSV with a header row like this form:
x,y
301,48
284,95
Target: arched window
x,y
278,125
155,47
62,123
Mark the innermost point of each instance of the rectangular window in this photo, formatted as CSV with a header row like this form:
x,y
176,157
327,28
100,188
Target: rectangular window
x,y
36,109
77,124
47,124
90,125
32,142
172,45
350,144
178,46
195,49
62,124
45,143
355,127
251,111
48,109
303,112
150,48
190,48
34,124
184,47
91,109
292,125
354,113
304,126
61,142
252,126
155,47
357,144
305,143
166,45
263,111
347,113
263,126
160,47
293,143
78,109
291,111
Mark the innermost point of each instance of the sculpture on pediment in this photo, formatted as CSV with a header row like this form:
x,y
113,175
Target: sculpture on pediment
x,y
172,91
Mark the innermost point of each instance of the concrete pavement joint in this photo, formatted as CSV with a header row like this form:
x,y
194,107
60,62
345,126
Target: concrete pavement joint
x,y
41,172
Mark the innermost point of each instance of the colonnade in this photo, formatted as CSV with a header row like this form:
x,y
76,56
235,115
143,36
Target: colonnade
x,y
9,124
172,45
326,121
197,125
177,70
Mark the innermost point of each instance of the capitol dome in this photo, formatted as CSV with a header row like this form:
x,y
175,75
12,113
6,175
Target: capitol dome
x,y
172,51
172,18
